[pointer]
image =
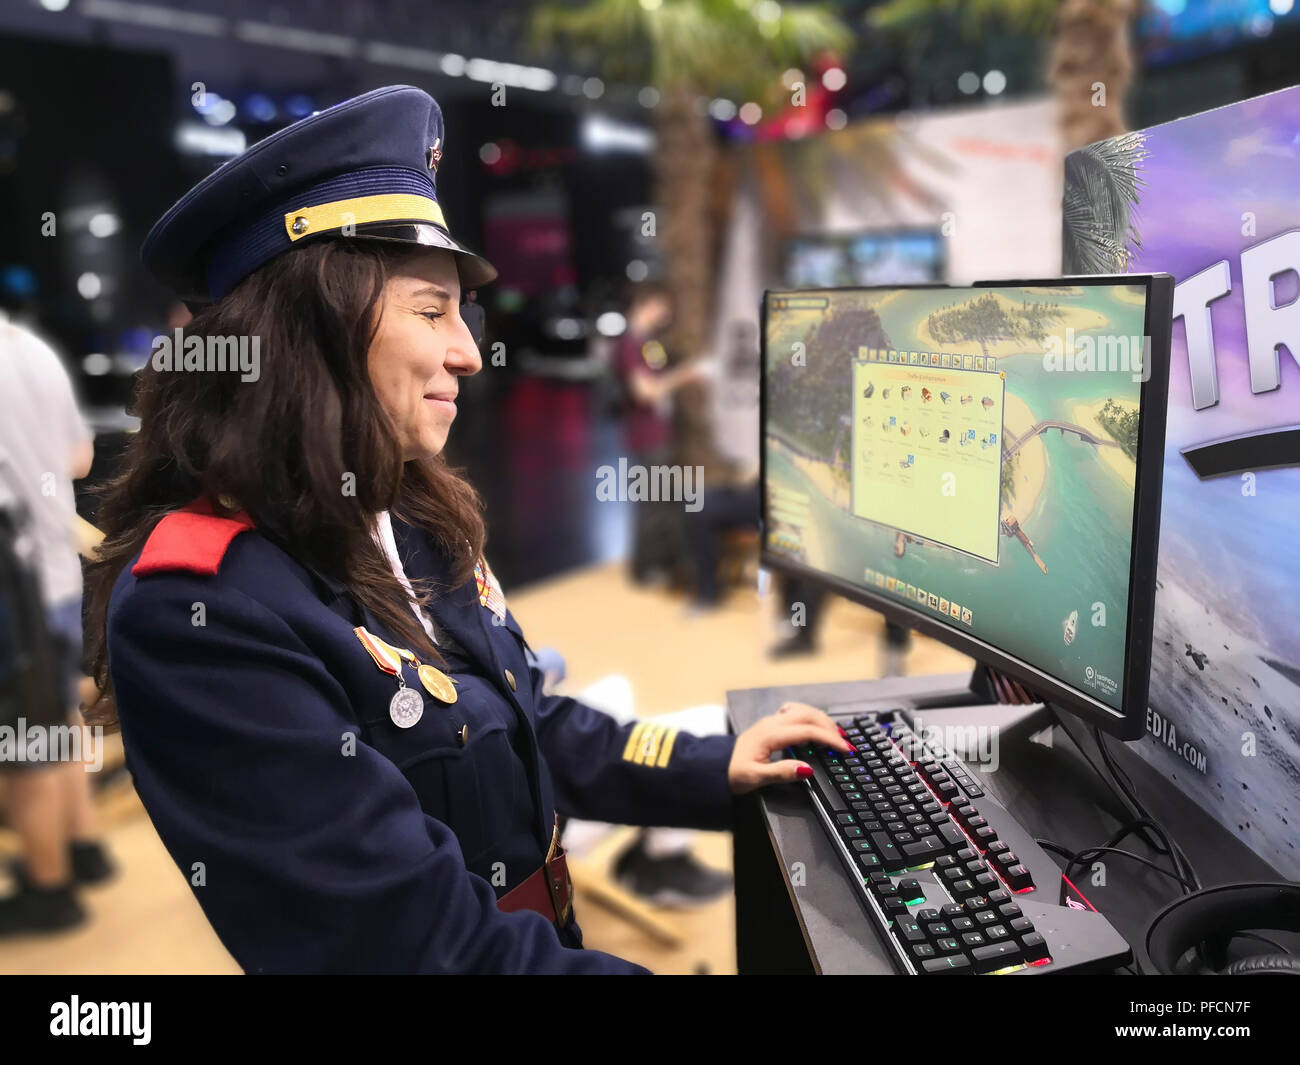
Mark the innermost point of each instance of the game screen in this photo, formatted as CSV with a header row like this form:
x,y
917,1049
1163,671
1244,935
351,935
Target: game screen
x,y
971,452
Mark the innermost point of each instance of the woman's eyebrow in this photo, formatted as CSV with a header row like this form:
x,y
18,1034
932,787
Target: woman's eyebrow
x,y
431,290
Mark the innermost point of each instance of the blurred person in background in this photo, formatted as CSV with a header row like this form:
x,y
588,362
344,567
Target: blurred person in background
x,y
648,385
45,445
327,709
731,497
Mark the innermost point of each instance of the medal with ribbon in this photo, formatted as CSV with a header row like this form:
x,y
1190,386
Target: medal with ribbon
x,y
406,707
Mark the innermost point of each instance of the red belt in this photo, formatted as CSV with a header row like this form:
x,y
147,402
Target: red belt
x,y
547,891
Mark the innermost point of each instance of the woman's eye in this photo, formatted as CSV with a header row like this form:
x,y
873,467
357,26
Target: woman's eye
x,y
433,316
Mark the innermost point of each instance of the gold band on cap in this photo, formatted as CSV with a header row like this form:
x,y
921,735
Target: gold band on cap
x,y
395,207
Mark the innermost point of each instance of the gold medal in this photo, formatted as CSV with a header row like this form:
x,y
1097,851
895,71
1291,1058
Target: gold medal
x,y
438,684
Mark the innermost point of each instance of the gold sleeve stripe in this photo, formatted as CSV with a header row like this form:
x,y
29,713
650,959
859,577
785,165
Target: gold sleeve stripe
x,y
390,207
632,740
651,750
666,751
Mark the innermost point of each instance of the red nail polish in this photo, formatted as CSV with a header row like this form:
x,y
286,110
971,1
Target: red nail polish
x,y
842,732
804,772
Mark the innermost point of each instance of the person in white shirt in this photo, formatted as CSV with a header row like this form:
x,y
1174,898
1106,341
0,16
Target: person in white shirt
x,y
44,445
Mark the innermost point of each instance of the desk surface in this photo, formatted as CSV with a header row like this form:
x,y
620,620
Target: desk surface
x,y
1044,782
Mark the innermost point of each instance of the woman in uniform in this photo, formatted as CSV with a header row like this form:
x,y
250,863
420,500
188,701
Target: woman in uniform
x,y
326,706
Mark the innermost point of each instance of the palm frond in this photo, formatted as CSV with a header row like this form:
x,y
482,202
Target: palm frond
x,y
712,46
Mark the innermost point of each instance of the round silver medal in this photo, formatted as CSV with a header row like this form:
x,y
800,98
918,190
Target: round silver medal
x,y
406,707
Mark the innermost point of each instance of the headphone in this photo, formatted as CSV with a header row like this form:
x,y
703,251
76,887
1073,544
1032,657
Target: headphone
x,y
1207,921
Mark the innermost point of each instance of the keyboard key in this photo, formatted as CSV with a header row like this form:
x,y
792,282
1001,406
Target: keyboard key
x,y
963,924
845,819
998,895
928,914
909,931
951,963
924,847
984,917
947,945
953,836
851,831
1018,877
995,932
893,905
939,929
1034,946
1021,927
861,845
964,888
986,881
869,862
923,950
973,939
997,955
888,850
952,909
1009,910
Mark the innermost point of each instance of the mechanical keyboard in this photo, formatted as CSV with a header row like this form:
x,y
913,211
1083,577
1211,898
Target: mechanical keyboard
x,y
948,878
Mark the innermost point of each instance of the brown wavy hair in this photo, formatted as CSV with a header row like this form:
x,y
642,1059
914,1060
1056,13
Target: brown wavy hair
x,y
283,445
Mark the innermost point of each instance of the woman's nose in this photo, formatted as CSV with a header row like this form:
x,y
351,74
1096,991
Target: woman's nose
x,y
462,353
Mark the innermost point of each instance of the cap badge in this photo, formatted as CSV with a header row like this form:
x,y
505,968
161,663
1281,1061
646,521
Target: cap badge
x,y
434,155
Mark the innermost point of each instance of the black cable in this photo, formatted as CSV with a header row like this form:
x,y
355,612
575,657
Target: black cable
x,y
1181,862
1119,796
1091,852
1132,827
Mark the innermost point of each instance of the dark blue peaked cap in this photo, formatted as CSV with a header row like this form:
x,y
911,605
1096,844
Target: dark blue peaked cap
x,y
363,168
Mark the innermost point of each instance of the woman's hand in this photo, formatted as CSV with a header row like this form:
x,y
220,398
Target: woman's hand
x,y
793,724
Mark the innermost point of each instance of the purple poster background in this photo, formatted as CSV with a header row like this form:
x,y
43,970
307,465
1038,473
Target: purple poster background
x,y
1224,717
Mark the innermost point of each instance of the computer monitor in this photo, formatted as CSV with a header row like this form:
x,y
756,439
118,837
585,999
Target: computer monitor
x,y
871,257
982,465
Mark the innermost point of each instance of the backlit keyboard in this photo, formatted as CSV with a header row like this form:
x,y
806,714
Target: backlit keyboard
x,y
951,882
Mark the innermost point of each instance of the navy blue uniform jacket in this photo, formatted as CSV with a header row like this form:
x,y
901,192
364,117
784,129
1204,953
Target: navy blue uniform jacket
x,y
316,834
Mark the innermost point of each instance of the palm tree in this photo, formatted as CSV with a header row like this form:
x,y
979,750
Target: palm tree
x,y
1102,182
1090,48
691,51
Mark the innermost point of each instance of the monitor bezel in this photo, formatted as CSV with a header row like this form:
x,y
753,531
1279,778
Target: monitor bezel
x,y
1129,722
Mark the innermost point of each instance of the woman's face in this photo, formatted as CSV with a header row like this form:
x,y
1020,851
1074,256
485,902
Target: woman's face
x,y
420,351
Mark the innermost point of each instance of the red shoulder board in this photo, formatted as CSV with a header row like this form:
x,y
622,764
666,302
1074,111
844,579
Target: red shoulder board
x,y
193,539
